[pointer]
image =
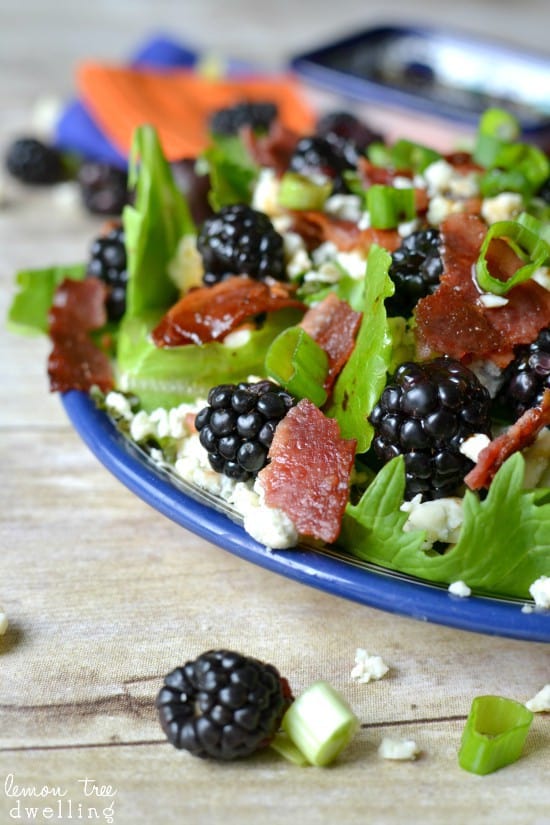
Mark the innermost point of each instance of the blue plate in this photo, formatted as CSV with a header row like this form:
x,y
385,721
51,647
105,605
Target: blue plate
x,y
328,570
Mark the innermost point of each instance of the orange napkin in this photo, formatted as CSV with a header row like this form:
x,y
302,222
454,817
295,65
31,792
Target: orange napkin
x,y
178,102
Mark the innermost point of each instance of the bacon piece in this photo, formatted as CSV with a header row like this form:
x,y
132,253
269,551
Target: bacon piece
x,y
309,471
272,150
210,313
318,227
517,437
75,362
333,324
453,321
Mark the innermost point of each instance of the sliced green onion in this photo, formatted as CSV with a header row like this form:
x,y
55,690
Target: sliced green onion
x,y
500,124
285,747
487,149
517,167
300,192
388,206
525,236
299,364
320,723
494,734
404,154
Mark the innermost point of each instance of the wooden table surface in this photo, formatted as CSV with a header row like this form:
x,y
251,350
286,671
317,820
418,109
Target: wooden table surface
x,y
104,595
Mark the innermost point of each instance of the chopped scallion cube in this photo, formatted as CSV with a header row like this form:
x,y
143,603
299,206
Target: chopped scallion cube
x,y
494,734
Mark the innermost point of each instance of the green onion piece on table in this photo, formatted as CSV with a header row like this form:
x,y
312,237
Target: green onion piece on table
x,y
494,734
389,206
299,364
320,723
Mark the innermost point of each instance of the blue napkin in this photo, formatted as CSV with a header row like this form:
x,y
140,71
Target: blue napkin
x,y
76,130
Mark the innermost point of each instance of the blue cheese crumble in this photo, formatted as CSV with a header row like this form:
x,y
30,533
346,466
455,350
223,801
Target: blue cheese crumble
x,y
188,460
402,750
367,668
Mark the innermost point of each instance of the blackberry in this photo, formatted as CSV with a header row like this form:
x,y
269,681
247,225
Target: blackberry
x,y
108,263
425,414
348,133
32,161
527,377
415,271
237,427
316,155
231,119
239,240
222,705
103,188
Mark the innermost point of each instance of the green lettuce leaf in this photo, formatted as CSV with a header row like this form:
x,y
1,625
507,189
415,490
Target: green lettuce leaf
x,y
167,377
504,543
363,378
153,226
28,313
232,171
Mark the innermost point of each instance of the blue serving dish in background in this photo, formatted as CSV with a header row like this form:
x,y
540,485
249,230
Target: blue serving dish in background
x,y
415,75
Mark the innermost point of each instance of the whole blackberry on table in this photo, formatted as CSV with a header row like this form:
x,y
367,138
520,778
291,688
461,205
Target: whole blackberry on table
x,y
527,376
231,119
239,240
222,705
237,427
32,161
425,414
317,155
108,263
103,188
346,131
415,270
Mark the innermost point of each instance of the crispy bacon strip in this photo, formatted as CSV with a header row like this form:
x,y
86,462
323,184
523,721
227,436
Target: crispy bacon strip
x,y
333,324
309,455
210,313
318,227
454,322
75,362
517,437
272,150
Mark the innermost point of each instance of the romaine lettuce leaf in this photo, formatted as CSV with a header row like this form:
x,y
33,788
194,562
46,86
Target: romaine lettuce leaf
x,y
504,543
28,313
363,378
167,377
153,226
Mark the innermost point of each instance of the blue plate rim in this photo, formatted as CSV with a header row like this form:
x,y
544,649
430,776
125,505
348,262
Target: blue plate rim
x,y
327,570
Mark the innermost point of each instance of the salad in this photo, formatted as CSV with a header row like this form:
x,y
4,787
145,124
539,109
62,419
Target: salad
x,y
345,340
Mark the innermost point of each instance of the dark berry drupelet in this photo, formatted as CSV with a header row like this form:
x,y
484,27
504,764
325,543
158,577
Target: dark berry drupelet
x,y
348,133
316,155
222,705
103,188
108,263
32,161
231,119
415,270
527,377
425,414
239,240
237,427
